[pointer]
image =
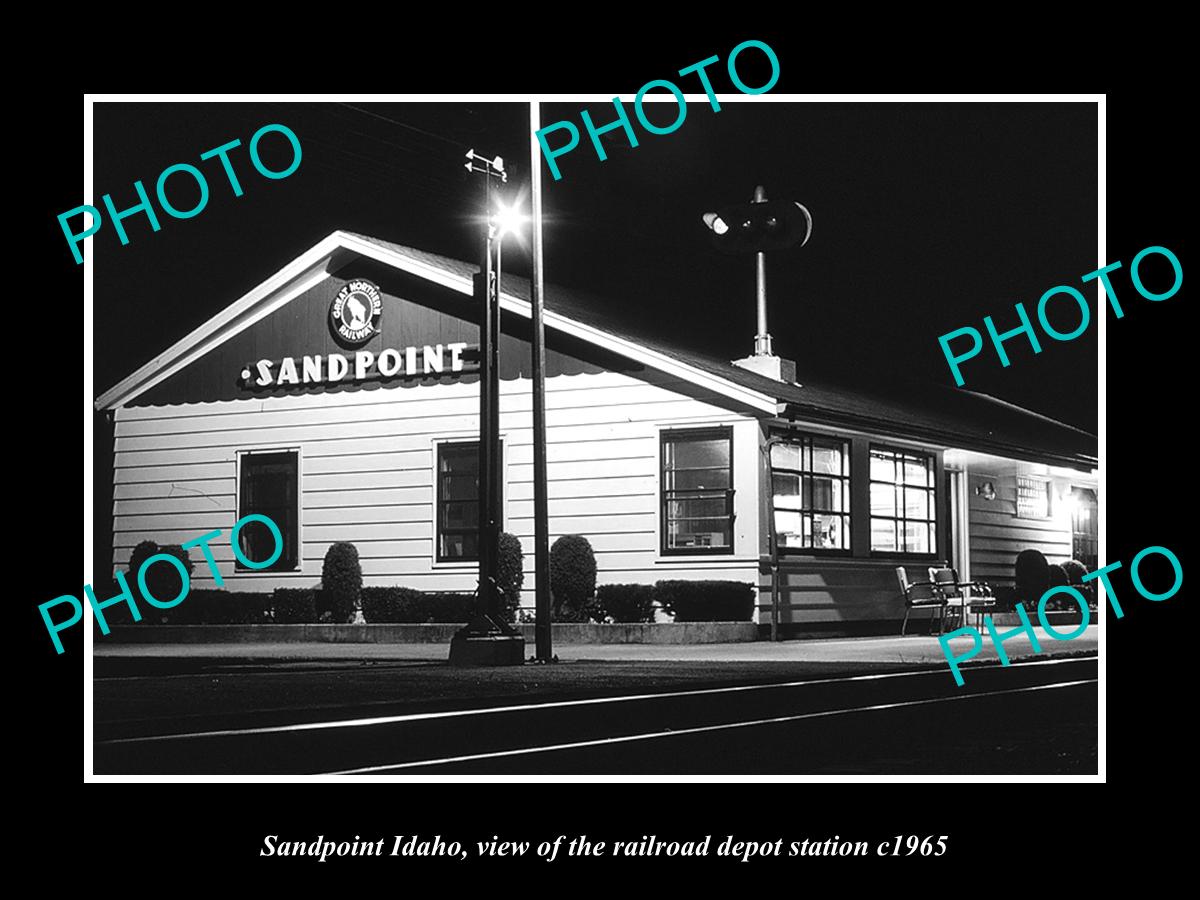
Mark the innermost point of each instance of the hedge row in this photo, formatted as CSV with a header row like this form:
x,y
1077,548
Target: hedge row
x,y
405,605
687,601
300,606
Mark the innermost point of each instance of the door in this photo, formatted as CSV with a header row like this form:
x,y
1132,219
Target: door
x,y
1084,526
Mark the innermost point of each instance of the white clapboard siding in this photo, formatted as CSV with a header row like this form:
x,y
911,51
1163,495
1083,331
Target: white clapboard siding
x,y
175,504
997,534
176,487
400,426
386,461
367,515
586,507
367,476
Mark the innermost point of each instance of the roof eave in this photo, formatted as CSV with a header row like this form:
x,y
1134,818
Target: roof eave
x,y
944,437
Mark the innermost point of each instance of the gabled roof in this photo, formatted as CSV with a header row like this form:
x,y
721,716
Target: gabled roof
x,y
919,410
341,246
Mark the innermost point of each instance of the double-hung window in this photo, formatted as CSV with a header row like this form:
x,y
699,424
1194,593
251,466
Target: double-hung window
x,y
458,501
697,491
903,501
810,492
270,486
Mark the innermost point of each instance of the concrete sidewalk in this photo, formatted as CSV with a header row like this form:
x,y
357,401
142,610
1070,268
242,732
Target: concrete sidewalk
x,y
901,652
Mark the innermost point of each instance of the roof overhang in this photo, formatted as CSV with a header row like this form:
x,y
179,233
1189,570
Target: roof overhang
x,y
947,438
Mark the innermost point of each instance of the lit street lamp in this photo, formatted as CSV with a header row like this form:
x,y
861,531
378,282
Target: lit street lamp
x,y
488,639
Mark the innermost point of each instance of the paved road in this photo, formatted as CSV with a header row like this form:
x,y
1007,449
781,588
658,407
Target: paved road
x,y
1034,716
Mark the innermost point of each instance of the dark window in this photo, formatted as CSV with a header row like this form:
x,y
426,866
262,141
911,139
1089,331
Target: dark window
x,y
270,487
810,493
903,501
458,501
697,491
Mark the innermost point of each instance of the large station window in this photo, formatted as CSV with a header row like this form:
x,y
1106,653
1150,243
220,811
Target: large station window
x,y
810,493
903,501
270,486
697,491
458,501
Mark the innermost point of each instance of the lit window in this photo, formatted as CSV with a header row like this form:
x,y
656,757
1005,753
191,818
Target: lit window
x,y
810,490
903,501
270,487
1033,498
697,491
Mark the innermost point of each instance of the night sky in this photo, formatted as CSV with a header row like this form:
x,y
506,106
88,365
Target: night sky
x,y
927,217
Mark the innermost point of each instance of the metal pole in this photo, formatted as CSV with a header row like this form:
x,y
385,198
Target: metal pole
x,y
541,512
483,607
762,341
496,501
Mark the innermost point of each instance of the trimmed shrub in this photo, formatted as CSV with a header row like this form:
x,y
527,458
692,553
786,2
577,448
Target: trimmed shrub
x,y
1057,576
1089,594
408,606
1032,576
341,582
162,581
624,603
707,601
118,614
1075,571
572,577
214,606
1006,597
510,573
294,606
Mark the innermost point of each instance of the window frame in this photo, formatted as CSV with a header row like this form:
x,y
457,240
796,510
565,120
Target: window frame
x,y
1047,485
707,432
902,518
279,566
847,480
438,445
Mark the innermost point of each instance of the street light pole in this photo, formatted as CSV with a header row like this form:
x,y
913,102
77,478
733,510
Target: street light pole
x,y
484,291
488,639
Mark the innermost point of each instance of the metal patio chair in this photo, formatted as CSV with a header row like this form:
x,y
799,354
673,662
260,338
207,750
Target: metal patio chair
x,y
920,595
953,589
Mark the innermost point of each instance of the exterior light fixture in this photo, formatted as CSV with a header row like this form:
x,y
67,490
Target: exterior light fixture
x,y
508,219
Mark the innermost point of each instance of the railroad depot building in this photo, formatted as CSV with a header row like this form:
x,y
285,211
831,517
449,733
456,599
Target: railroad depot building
x,y
340,398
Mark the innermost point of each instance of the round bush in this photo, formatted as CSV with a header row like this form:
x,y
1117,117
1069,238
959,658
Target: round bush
x,y
572,577
341,582
1057,575
1075,571
162,581
510,573
1032,576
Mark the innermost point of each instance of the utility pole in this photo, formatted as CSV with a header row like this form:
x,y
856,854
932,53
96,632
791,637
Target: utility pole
x,y
488,640
541,511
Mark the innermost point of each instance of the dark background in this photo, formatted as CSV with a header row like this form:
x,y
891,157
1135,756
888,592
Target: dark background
x,y
927,217
1020,834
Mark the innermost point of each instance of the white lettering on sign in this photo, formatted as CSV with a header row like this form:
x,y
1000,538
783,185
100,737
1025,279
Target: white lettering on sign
x,y
361,366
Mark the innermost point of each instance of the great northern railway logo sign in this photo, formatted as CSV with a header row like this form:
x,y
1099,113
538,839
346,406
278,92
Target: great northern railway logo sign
x,y
354,315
